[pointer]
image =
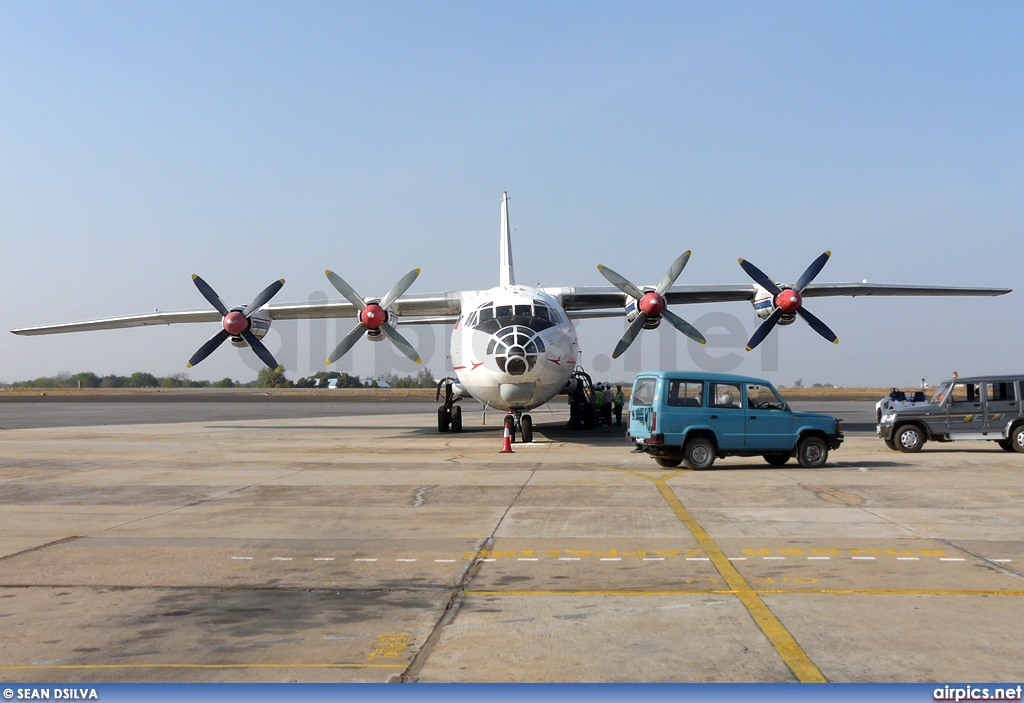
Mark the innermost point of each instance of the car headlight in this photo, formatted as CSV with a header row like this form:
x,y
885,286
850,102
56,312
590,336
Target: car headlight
x,y
888,417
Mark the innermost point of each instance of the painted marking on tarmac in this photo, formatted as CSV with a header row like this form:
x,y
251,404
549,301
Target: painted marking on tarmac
x,y
864,558
611,558
29,667
952,559
908,559
365,560
280,558
817,558
244,558
323,558
560,559
406,560
759,591
654,558
1002,561
444,561
781,639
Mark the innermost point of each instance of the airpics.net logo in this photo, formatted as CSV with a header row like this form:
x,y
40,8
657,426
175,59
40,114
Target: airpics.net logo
x,y
971,692
301,346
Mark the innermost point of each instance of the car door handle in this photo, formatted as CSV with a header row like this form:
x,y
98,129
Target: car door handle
x,y
714,417
753,417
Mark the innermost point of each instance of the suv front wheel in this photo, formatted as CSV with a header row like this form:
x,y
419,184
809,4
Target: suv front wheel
x,y
909,438
812,452
699,453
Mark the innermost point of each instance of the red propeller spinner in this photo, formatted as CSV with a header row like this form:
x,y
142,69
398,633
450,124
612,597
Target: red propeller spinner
x,y
236,323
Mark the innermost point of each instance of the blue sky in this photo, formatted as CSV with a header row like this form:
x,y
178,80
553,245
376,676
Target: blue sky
x,y
143,142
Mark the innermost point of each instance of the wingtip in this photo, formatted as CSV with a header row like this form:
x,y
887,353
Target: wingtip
x,y
281,281
600,267
828,253
750,349
188,365
279,369
419,360
328,272
702,340
417,270
836,340
195,276
329,362
740,259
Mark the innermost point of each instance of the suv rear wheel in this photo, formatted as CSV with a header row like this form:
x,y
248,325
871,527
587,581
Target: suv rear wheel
x,y
699,453
1017,438
812,452
909,438
669,462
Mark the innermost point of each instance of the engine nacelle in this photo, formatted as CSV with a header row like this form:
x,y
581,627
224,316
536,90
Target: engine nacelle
x,y
764,306
632,311
259,325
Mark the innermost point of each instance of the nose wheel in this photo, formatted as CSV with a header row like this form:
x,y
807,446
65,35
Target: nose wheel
x,y
518,422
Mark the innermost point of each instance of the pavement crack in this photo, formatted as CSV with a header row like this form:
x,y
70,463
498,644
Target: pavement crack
x,y
54,543
458,596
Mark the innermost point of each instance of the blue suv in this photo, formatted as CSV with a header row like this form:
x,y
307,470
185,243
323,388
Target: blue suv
x,y
691,417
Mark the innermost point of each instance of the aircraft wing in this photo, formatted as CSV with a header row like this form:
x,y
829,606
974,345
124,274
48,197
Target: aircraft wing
x,y
434,308
578,302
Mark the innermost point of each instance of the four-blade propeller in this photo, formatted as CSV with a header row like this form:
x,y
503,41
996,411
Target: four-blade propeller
x,y
236,323
788,300
373,316
651,304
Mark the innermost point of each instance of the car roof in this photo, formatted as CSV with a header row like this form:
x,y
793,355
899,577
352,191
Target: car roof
x,y
704,376
987,377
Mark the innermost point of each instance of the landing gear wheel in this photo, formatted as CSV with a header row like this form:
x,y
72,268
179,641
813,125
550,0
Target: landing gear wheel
x,y
812,452
909,438
776,459
1017,438
457,418
669,462
510,425
527,425
699,454
444,419
892,445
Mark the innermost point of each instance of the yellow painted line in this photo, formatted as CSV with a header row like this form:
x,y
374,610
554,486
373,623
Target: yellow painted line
x,y
759,591
785,644
202,666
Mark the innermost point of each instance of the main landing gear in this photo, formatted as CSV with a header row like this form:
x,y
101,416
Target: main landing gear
x,y
516,421
449,415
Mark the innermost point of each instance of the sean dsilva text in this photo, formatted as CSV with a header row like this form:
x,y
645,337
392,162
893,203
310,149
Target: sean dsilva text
x,y
63,694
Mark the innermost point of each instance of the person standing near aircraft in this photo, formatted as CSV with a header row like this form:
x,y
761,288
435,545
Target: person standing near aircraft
x,y
620,398
606,406
597,400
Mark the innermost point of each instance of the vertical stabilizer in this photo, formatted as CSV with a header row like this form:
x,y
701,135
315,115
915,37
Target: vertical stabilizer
x,y
507,273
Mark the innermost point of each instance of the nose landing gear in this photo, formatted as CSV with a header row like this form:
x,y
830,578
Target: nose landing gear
x,y
517,421
449,415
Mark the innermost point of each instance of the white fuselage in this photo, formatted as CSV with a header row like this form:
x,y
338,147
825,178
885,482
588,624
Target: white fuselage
x,y
513,347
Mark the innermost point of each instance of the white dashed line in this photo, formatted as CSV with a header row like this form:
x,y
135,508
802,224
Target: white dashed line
x,y
568,558
773,558
527,559
488,560
1002,561
280,559
323,558
365,560
819,557
245,558
951,559
405,560
864,558
908,559
444,561
697,559
611,558
654,558
737,558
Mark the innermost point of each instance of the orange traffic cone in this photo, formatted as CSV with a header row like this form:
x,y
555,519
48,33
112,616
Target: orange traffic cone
x,y
506,444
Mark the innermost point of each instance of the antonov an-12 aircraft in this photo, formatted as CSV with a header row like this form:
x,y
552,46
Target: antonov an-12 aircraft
x,y
513,347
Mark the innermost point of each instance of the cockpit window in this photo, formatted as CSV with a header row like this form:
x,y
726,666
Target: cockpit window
x,y
490,318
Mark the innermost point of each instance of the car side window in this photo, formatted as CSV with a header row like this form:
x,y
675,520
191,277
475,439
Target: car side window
x,y
998,391
762,398
964,394
685,394
724,395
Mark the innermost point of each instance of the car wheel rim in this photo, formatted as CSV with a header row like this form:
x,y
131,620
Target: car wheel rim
x,y
1020,438
812,453
699,455
909,439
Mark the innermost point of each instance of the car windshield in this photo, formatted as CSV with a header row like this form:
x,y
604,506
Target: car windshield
x,y
941,392
643,392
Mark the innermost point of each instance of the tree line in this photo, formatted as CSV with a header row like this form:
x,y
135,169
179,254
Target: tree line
x,y
266,378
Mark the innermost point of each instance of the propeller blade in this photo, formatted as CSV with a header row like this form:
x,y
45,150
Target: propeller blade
x,y
767,326
683,326
812,271
263,298
673,273
207,349
399,288
210,294
261,351
630,334
759,277
346,344
401,342
621,283
817,325
345,289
